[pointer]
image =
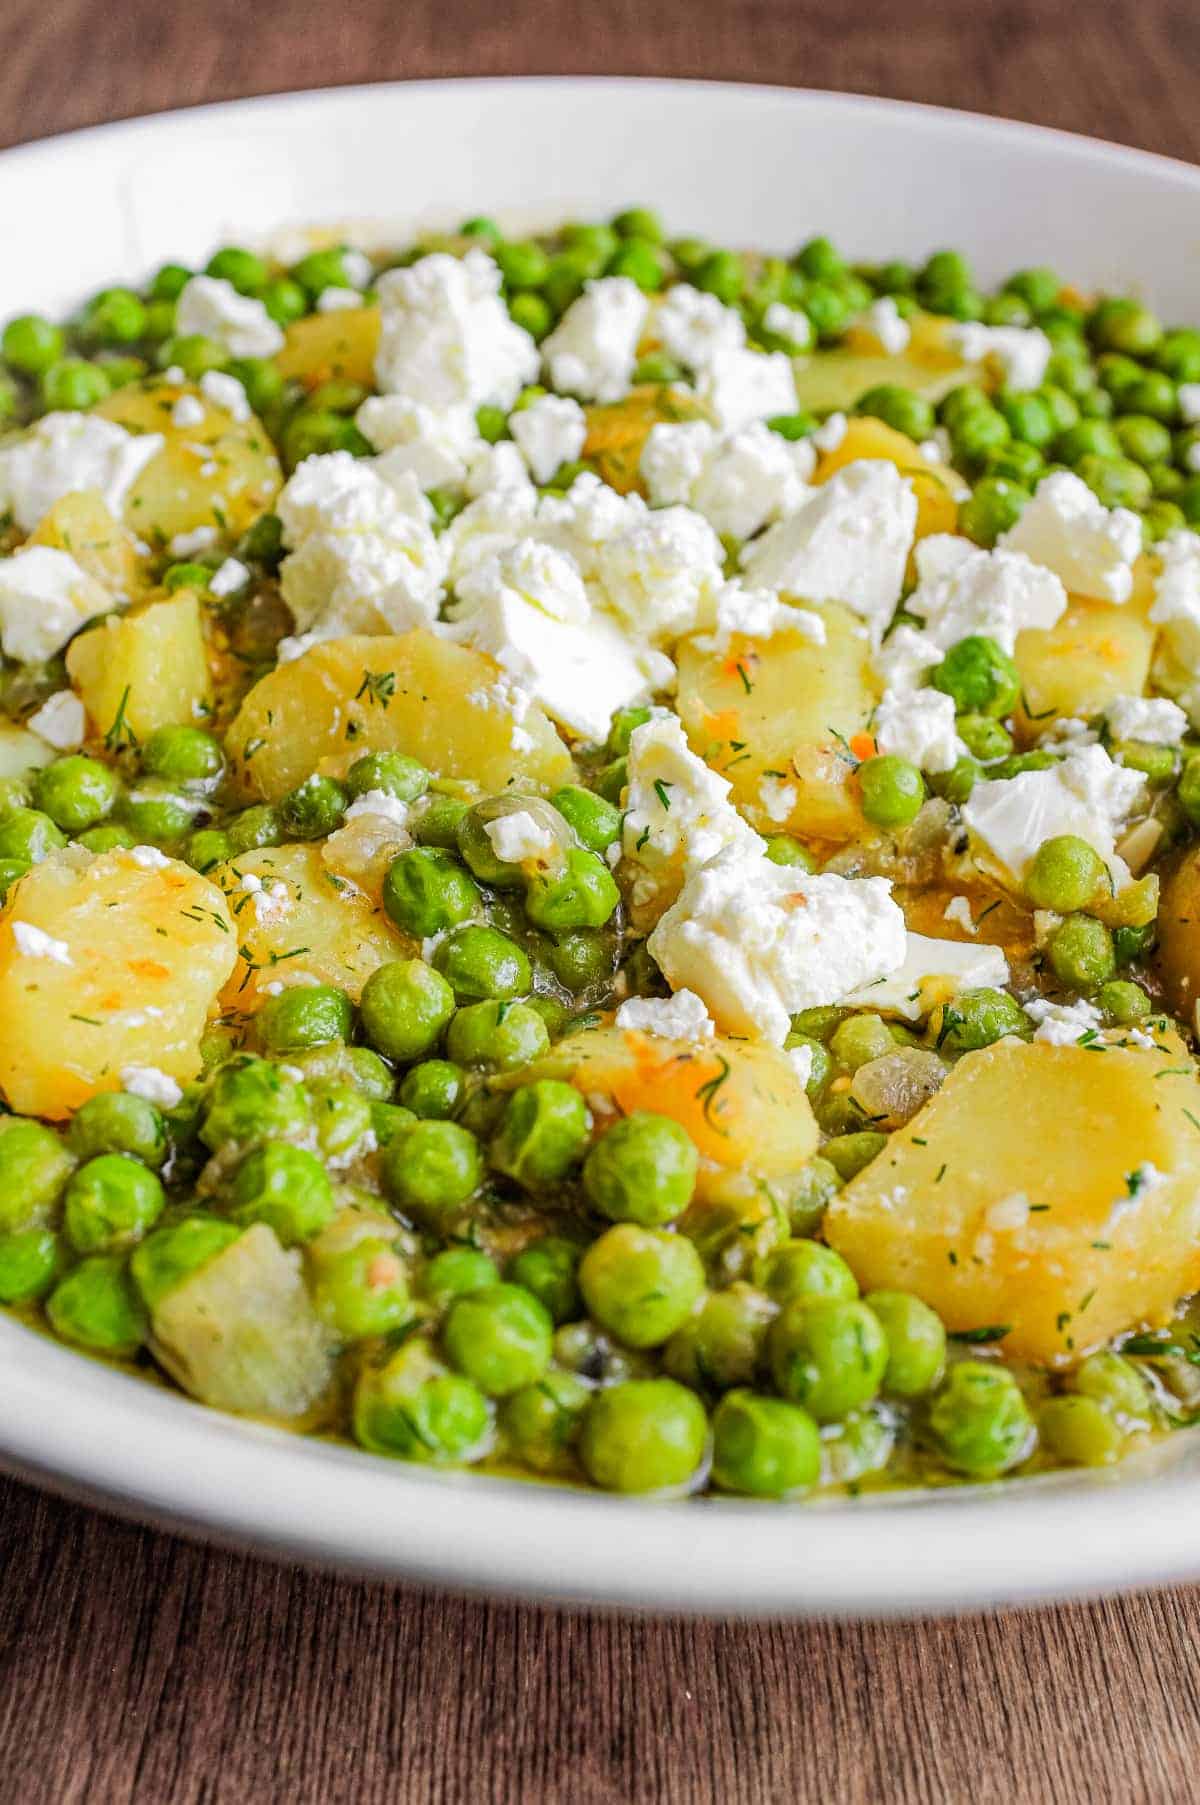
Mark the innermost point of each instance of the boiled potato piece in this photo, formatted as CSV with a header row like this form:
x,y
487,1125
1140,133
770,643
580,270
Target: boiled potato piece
x,y
323,928
323,346
785,710
413,693
124,968
617,431
81,524
221,472
1094,653
1178,954
837,378
937,487
241,1333
1077,1227
742,1104
148,669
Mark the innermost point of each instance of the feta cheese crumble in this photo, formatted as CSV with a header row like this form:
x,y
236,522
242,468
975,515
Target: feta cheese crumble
x,y
757,614
229,577
226,392
884,320
677,812
550,432
155,1086
445,336
188,411
740,482
739,387
1151,719
962,590
680,1017
661,576
519,837
1091,547
919,725
213,308
186,545
45,597
35,943
438,447
695,327
64,452
1019,353
592,350
933,972
1087,794
958,910
1062,1024
61,721
380,804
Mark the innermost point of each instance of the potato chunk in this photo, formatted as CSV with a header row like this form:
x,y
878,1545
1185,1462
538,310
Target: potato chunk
x,y
1093,654
106,963
328,345
221,472
784,709
135,672
80,523
241,1334
318,926
937,487
443,704
1178,955
742,1103
1080,1225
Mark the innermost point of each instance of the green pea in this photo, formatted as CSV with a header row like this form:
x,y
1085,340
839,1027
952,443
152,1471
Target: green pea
x,y
392,772
828,310
1158,764
793,427
1081,953
387,1120
1119,1385
186,576
542,1133
849,1153
764,1447
116,316
583,958
30,1261
916,1340
414,1409
641,1284
956,784
643,1170
501,1338
30,836
1178,353
432,1168
427,890
31,344
812,1188
984,737
722,274
194,354
158,814
304,1015
1087,438
250,1100
34,1169
263,383
480,962
434,1090
721,1342
314,808
898,407
360,1287
611,781
644,1435
170,1255
1080,1432
1160,519
1029,419
455,1272
965,399
183,755
541,1422
1037,287
979,1018
828,1354
640,261
532,313
1117,324
893,790
547,1269
254,828
10,871
858,1039
97,1307
806,1269
72,385
1123,1002
656,367
1062,407
783,849
110,1203
1006,310
503,1035
284,1186
819,1023
595,822
343,1119
640,222
1065,874
1144,439
1117,482
979,1422
404,1007
979,676
314,432
993,507
160,321
1095,404
1131,943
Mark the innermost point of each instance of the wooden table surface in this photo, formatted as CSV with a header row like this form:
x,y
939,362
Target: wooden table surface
x,y
134,1667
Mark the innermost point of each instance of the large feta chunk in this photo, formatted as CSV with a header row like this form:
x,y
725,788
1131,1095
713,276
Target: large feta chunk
x,y
1019,353
739,482
1151,719
738,387
592,350
849,544
695,328
1091,547
45,597
660,577
1063,1024
63,453
445,336
963,590
933,972
212,308
1086,795
680,1017
919,725
437,447
905,659
759,941
677,812
1177,601
550,432
757,614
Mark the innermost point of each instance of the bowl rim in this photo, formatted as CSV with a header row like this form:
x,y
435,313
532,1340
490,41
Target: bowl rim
x,y
99,1435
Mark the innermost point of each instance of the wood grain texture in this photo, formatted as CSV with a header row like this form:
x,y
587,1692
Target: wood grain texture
x,y
137,1668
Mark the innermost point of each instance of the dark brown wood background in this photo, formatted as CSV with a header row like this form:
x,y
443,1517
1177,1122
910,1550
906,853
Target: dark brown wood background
x,y
137,1668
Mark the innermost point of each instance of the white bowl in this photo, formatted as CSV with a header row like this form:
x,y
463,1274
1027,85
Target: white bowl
x,y
757,166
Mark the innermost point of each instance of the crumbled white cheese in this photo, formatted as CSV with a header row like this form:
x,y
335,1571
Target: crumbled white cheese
x,y
905,659
188,411
739,387
848,544
63,453
61,721
963,590
226,392
1062,1024
379,803
550,433
660,578
1020,353
229,577
958,910
149,858
933,972
1087,795
740,482
45,597
829,435
790,324
801,1061
506,698
884,320
677,812
35,943
759,941
520,836
1091,547
757,614
445,336
1177,606
186,545
498,467
436,446
153,1085
338,300
918,725
680,1017
213,308
694,327
592,350
1151,719
778,799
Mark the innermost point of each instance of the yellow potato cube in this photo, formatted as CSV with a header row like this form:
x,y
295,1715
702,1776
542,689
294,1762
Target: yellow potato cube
x,y
937,487
80,523
1050,1190
221,472
106,963
1093,654
338,345
148,669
